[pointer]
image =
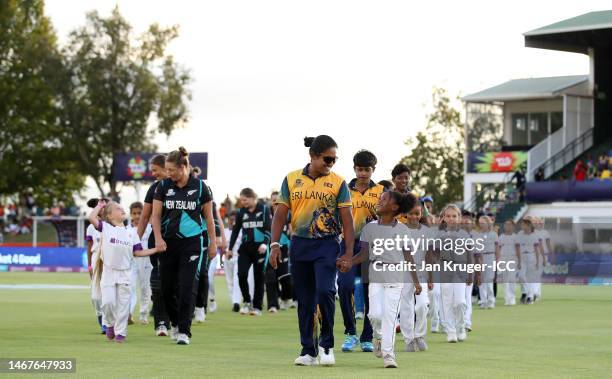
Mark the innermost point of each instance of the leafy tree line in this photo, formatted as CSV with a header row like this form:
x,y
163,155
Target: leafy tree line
x,y
66,110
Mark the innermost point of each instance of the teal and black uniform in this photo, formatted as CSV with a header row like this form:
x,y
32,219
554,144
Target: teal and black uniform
x,y
181,228
281,275
255,228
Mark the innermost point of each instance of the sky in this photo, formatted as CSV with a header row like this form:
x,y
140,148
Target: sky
x,y
267,73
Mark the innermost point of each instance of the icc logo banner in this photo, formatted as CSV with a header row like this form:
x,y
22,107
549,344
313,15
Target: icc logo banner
x,y
135,166
507,161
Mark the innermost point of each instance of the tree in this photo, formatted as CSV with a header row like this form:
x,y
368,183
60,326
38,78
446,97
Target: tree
x,y
485,127
32,154
114,88
436,153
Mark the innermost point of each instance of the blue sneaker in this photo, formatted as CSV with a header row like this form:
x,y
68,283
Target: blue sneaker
x,y
367,347
102,327
349,343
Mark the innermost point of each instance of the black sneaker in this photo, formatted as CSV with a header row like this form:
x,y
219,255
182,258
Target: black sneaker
x,y
236,307
529,301
524,298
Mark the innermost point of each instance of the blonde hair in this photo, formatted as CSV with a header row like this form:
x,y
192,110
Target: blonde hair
x,y
108,208
443,211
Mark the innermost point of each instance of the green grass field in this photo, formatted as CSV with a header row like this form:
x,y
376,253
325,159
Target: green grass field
x,y
568,334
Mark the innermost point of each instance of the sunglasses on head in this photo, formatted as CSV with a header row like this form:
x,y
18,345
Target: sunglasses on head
x,y
330,160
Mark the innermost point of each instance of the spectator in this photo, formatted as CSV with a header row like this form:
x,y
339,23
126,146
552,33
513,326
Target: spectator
x,y
602,164
539,175
519,176
591,168
580,171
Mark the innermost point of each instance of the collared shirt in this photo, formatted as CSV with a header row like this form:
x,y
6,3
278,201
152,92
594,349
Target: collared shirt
x,y
182,207
364,204
314,203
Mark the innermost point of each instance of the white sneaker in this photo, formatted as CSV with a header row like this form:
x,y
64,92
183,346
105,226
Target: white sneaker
x,y
293,304
283,305
451,337
246,307
306,360
200,315
255,312
377,347
143,318
389,361
273,310
174,332
182,339
462,335
359,316
161,331
326,359
212,306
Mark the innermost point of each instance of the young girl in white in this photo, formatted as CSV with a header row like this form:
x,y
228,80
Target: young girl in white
x,y
385,288
467,224
414,308
529,245
453,284
92,236
141,268
510,256
118,246
490,253
546,252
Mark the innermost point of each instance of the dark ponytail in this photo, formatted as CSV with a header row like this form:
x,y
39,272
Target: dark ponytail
x,y
320,144
158,160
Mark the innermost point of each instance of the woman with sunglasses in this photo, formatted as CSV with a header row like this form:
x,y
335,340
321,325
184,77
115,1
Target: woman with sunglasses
x,y
320,205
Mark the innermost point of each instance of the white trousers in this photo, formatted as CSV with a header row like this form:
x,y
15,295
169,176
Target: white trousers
x,y
508,278
453,306
412,307
468,306
485,289
435,307
116,292
141,282
528,274
384,307
212,268
231,279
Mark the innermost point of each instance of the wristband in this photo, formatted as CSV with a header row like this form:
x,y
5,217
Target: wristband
x,y
274,244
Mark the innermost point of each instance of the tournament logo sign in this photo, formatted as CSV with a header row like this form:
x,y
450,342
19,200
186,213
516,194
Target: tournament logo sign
x,y
508,161
137,167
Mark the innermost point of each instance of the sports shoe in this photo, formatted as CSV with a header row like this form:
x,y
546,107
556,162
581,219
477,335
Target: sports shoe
x,y
255,312
468,328
120,339
306,360
367,347
389,361
326,356
174,332
182,339
212,306
246,308
461,335
411,347
283,305
529,301
130,320
292,304
421,344
273,310
161,331
110,333
377,348
359,316
398,329
435,330
144,320
350,341
524,298
103,329
236,307
200,315
451,337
